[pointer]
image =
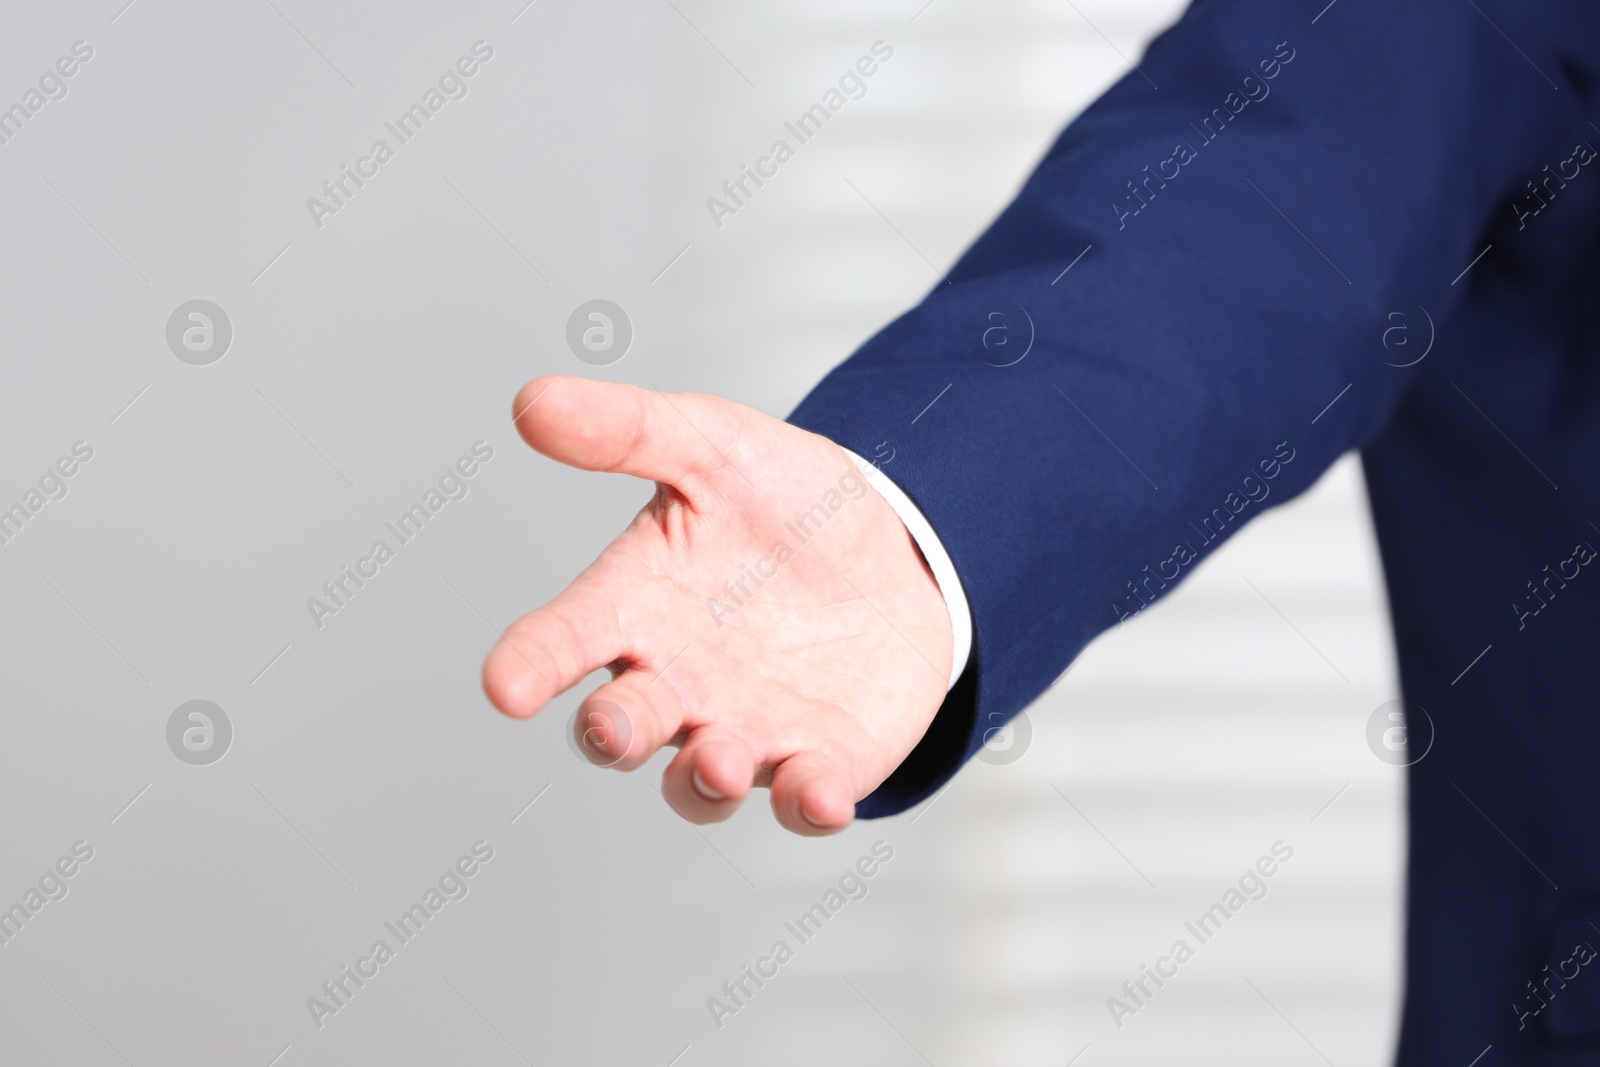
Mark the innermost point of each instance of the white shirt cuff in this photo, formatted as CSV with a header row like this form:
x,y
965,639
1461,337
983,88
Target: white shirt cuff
x,y
944,571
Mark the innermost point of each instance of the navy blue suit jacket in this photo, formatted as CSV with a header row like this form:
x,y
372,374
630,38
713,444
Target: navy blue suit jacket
x,y
1297,187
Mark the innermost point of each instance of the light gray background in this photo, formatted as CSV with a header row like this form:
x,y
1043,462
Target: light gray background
x,y
372,353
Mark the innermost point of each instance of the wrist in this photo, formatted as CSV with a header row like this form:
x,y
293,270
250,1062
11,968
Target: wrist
x,y
934,558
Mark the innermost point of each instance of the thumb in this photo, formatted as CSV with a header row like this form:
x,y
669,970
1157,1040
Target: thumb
x,y
623,429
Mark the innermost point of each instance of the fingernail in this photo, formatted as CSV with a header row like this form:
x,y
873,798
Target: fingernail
x,y
806,815
703,789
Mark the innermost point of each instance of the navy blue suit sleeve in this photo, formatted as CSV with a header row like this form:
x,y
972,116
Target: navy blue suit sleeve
x,y
1258,200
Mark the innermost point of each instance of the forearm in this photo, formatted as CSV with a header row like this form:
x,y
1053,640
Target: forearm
x,y
1244,232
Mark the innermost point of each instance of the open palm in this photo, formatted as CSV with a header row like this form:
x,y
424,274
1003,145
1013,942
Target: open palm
x,y
766,611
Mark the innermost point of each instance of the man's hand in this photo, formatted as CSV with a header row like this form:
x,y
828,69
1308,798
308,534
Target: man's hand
x,y
766,612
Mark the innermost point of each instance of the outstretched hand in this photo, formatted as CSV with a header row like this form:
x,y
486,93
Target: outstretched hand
x,y
766,612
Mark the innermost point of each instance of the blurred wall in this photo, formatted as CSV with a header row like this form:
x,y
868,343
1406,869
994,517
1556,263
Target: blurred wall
x,y
372,348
